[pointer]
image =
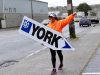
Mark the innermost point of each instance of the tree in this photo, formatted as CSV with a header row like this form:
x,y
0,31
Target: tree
x,y
84,7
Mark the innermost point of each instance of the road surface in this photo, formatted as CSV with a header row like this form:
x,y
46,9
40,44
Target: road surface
x,y
15,46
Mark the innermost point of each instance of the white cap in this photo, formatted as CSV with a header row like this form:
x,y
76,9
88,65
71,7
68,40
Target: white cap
x,y
53,15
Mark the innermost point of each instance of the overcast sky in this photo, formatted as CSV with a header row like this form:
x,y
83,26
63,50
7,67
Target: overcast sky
x,y
64,2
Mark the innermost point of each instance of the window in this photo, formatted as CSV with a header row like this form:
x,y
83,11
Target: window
x,y
6,9
14,10
10,10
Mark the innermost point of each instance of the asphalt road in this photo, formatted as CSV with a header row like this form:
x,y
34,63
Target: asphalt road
x,y
15,46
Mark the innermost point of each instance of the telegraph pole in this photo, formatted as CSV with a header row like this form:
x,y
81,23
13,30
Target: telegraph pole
x,y
32,9
71,25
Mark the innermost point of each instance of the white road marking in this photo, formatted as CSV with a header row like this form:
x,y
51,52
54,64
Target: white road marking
x,y
94,73
36,52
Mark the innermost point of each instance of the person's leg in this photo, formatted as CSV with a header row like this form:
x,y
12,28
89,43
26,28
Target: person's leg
x,y
53,59
61,59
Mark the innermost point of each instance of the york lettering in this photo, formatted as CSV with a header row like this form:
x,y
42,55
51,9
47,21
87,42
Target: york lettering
x,y
41,33
55,40
35,29
48,37
45,35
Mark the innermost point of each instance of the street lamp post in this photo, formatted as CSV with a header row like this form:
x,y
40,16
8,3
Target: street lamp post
x,y
71,25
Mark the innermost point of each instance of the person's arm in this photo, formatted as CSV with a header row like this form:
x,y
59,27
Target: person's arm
x,y
67,20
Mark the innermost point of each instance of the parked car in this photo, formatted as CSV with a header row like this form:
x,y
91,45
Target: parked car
x,y
94,21
77,18
64,15
45,22
85,22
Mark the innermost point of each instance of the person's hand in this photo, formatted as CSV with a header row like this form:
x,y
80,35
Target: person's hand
x,y
74,13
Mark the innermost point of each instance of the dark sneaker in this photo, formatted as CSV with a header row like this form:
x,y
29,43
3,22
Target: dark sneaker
x,y
60,67
53,72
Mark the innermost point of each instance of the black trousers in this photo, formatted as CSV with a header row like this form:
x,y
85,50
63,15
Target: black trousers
x,y
53,57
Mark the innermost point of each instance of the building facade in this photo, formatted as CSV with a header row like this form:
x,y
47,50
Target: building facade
x,y
12,11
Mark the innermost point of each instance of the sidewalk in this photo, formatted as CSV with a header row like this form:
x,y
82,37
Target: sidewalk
x,y
94,65
74,62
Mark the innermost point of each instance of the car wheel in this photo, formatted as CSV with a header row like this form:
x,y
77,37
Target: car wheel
x,y
89,25
98,21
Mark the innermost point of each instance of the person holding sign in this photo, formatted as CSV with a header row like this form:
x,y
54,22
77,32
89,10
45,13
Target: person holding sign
x,y
58,25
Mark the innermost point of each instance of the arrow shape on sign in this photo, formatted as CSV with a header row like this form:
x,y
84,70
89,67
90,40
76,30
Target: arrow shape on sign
x,y
43,34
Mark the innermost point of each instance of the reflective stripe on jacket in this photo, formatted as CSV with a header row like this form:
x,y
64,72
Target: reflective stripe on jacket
x,y
59,25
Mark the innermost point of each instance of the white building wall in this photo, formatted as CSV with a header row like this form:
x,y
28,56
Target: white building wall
x,y
14,10
40,7
40,10
1,6
22,6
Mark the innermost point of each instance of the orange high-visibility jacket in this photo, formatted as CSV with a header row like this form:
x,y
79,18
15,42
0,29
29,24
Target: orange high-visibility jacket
x,y
59,25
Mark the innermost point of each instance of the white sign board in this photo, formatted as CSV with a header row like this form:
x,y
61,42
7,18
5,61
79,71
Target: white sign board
x,y
43,34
